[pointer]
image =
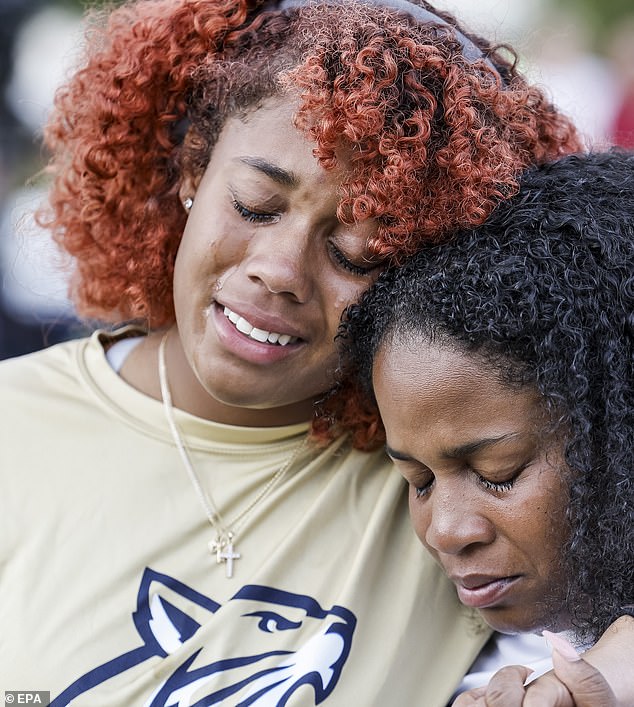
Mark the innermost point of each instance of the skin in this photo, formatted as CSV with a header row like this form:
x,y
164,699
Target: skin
x,y
487,493
262,239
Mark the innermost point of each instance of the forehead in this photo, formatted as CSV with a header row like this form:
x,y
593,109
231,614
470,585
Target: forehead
x,y
412,361
267,134
421,385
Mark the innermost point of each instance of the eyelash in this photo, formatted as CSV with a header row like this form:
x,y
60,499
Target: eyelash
x,y
497,486
423,490
252,216
347,265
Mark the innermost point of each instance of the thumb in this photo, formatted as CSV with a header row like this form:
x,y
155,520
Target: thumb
x,y
585,683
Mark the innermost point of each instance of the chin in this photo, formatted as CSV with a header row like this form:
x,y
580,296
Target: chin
x,y
512,622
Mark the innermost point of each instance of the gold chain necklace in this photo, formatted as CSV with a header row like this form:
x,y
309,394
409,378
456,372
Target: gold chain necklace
x,y
223,545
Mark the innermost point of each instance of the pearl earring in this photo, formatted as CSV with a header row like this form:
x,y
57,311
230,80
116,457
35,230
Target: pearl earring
x,y
188,203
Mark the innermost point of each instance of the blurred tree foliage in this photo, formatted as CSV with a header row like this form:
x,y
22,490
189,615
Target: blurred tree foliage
x,y
81,5
602,15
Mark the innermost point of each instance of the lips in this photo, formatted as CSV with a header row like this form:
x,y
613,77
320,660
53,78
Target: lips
x,y
261,335
483,591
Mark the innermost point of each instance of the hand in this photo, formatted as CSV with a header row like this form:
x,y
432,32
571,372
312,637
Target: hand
x,y
602,678
572,684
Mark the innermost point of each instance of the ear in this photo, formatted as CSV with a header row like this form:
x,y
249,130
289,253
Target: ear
x,y
169,612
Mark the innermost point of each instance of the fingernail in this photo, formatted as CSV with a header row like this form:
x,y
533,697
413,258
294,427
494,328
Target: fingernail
x,y
562,646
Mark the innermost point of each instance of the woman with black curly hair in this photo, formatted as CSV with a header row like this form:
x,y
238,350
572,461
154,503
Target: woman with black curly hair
x,y
502,364
229,175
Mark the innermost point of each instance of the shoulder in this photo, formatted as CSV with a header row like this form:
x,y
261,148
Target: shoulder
x,y
34,370
54,374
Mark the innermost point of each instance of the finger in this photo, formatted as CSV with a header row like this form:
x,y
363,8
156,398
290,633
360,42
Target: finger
x,y
471,698
506,688
548,691
585,683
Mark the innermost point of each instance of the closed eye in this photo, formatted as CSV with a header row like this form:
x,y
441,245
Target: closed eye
x,y
420,479
424,489
347,264
501,486
254,216
270,622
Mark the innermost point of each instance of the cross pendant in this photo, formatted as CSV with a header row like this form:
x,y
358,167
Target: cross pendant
x,y
228,556
224,553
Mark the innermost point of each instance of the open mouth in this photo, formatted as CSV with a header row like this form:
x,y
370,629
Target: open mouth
x,y
261,335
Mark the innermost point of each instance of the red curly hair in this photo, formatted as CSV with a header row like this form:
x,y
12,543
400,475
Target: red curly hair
x,y
436,140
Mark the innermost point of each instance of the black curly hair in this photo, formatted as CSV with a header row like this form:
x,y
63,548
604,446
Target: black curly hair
x,y
543,293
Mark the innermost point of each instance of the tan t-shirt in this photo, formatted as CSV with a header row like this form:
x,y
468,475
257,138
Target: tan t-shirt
x,y
110,597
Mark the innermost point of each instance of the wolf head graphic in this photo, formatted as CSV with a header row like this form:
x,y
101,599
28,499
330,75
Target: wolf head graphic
x,y
279,643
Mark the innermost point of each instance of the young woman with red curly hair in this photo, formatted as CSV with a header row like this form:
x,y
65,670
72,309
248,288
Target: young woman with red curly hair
x,y
228,177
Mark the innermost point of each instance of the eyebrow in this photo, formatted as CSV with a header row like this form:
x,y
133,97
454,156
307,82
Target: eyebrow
x,y
277,174
456,452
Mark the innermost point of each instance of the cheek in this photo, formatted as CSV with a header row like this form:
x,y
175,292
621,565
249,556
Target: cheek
x,y
556,521
212,239
339,294
539,525
226,247
205,261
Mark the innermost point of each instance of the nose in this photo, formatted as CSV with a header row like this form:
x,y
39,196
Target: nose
x,y
281,259
451,523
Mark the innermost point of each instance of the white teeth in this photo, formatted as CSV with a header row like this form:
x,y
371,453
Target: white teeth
x,y
243,325
260,335
232,315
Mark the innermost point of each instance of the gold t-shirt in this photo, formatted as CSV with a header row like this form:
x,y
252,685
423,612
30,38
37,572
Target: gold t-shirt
x,y
109,595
